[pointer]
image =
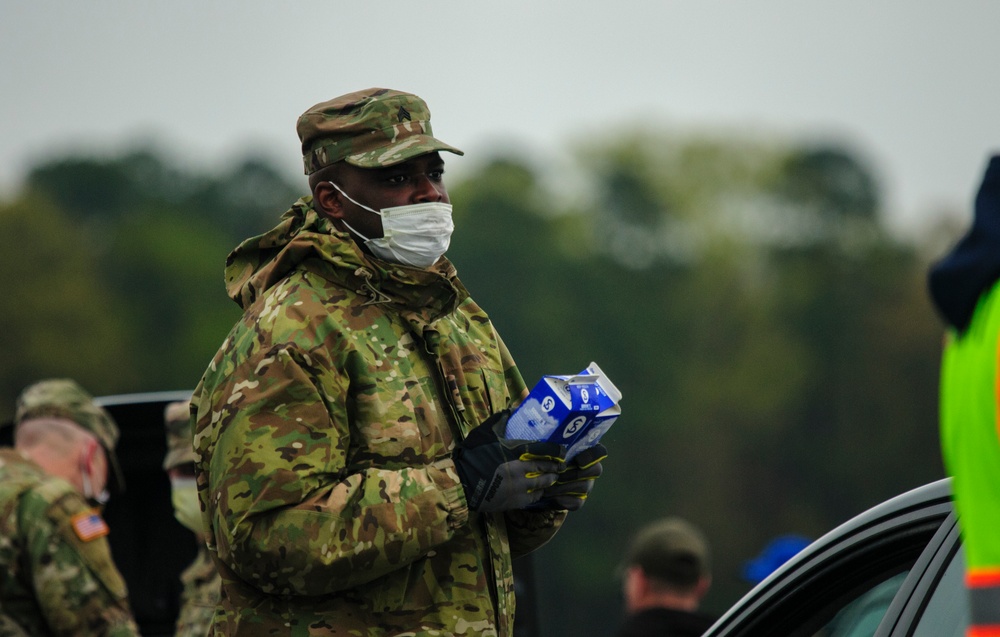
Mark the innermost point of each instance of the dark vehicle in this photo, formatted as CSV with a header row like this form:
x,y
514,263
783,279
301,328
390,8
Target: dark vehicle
x,y
149,545
896,569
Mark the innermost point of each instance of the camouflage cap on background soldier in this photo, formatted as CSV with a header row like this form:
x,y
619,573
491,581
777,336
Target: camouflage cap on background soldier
x,y
373,128
64,398
180,449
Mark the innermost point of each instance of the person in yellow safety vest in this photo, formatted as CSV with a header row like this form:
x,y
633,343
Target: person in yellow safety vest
x,y
964,287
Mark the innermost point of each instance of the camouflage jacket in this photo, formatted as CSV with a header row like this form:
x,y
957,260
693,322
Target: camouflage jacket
x,y
200,597
324,429
53,582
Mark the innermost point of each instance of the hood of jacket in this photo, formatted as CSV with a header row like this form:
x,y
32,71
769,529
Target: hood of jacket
x,y
306,240
972,267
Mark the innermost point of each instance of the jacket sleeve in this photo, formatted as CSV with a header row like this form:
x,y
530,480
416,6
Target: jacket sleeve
x,y
78,588
287,513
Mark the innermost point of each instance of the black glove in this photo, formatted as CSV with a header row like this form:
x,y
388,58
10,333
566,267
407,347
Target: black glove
x,y
500,475
576,481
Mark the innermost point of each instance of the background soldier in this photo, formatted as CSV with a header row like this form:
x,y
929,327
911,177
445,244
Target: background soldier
x,y
201,578
57,576
665,575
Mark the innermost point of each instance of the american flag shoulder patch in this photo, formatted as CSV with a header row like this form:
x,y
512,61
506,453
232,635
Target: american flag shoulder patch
x,y
89,525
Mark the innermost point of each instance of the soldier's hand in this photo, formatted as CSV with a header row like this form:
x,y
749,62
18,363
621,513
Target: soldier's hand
x,y
575,482
501,475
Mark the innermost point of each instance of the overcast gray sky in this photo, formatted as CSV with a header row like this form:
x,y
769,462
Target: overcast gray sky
x,y
911,85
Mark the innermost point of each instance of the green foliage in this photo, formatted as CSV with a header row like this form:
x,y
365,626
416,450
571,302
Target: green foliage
x,y
832,179
776,352
134,248
774,345
58,317
139,183
170,267
503,250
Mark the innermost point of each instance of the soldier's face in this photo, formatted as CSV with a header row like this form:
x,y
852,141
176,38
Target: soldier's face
x,y
417,180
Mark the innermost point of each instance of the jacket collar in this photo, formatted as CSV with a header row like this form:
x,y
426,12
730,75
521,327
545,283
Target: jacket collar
x,y
304,239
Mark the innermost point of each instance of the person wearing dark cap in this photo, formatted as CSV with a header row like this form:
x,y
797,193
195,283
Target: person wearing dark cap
x,y
665,574
58,576
201,580
351,466
964,288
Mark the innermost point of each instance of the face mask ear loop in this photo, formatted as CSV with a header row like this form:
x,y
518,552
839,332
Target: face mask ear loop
x,y
356,203
102,497
88,486
87,478
88,489
360,205
363,237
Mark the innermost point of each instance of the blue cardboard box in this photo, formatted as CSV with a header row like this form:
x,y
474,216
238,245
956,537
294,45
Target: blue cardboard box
x,y
573,410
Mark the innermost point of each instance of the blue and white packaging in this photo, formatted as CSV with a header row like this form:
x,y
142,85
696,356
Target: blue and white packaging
x,y
571,410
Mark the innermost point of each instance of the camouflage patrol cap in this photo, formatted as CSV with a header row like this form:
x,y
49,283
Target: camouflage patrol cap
x,y
177,420
671,550
64,398
369,129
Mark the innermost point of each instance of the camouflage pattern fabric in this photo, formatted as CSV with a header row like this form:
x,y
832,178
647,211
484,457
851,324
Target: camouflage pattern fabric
x,y
177,424
374,128
202,584
324,429
51,581
10,628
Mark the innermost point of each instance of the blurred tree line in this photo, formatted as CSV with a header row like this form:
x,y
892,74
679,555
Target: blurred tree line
x,y
773,341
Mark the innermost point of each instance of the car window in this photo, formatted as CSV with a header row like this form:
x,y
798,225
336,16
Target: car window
x,y
861,616
947,610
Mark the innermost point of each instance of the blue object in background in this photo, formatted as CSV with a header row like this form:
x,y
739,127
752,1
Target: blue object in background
x,y
777,552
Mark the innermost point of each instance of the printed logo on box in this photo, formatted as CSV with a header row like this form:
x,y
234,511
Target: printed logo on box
x,y
571,410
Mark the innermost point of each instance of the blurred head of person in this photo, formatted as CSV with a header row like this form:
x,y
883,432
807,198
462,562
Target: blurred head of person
x,y
666,565
58,425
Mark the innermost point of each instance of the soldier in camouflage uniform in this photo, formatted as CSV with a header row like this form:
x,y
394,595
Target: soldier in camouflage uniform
x,y
57,576
350,467
200,579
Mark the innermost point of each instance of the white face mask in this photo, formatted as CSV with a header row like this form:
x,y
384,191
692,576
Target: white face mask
x,y
184,496
416,234
95,499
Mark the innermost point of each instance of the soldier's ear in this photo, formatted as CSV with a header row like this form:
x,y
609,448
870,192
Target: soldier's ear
x,y
90,452
328,200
